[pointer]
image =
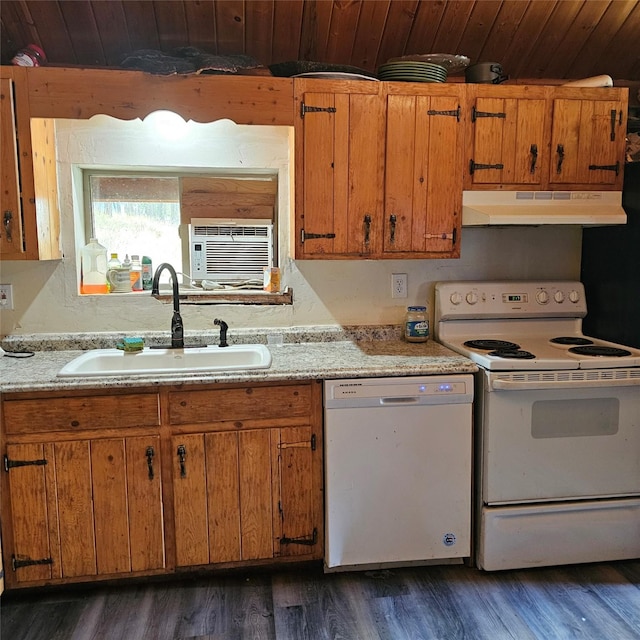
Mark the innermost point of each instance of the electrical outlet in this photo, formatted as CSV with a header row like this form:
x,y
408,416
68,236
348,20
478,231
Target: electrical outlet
x,y
398,285
6,297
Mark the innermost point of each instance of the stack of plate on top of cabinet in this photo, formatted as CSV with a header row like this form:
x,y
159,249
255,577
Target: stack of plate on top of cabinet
x,y
412,71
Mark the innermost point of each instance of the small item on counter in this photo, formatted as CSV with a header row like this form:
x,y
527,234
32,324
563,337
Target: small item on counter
x,y
114,263
30,56
136,273
131,344
416,328
93,268
147,273
271,280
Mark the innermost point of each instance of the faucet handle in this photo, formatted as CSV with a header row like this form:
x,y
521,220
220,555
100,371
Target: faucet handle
x,y
223,331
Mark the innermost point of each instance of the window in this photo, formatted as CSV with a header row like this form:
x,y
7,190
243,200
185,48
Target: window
x,y
218,228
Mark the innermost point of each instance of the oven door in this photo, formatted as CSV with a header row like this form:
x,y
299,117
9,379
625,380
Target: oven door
x,y
546,437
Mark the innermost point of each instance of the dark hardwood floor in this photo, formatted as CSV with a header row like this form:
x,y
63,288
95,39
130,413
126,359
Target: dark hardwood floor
x,y
586,602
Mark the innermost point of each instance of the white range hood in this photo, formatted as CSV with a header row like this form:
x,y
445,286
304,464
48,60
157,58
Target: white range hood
x,y
584,208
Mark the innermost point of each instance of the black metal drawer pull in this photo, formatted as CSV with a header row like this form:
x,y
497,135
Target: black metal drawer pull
x,y
392,233
605,167
182,454
150,453
454,112
367,228
560,151
486,114
474,166
534,157
7,222
614,113
314,236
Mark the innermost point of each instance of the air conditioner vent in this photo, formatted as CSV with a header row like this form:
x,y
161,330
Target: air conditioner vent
x,y
230,253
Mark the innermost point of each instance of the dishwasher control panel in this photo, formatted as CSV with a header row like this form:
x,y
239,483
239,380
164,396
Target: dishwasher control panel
x,y
386,391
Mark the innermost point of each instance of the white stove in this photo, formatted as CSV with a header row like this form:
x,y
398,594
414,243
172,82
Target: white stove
x,y
523,326
557,419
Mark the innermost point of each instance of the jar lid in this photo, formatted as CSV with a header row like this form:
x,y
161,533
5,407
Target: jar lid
x,y
416,308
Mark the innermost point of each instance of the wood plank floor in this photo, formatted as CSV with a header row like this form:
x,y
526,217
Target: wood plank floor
x,y
586,602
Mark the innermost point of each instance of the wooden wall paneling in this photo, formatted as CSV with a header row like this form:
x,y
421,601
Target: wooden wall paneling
x,y
314,32
52,33
590,58
201,25
230,25
502,34
425,27
287,21
394,40
113,32
449,30
171,22
371,24
621,53
139,16
83,32
343,29
259,23
478,28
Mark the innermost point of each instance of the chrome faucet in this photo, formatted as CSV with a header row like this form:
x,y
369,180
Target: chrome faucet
x,y
177,327
223,332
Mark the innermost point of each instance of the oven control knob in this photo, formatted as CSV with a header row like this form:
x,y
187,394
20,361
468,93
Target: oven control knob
x,y
558,296
471,297
455,298
574,296
542,297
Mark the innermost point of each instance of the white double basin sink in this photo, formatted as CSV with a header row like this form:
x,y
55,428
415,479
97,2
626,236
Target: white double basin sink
x,y
115,362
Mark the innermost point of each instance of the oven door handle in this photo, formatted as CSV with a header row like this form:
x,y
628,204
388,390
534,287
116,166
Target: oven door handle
x,y
533,385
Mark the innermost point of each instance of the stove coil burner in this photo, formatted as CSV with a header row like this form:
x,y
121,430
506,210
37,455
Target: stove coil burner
x,y
490,345
600,351
573,340
513,354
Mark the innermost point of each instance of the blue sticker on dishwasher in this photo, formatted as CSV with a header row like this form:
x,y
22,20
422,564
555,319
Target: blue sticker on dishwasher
x,y
449,539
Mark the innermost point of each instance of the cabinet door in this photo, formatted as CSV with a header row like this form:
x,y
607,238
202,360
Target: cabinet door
x,y
85,507
11,229
339,147
423,176
508,140
588,141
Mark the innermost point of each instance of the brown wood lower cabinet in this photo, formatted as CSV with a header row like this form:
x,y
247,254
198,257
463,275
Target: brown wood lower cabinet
x,y
88,494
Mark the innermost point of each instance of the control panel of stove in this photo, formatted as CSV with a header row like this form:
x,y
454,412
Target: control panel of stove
x,y
471,299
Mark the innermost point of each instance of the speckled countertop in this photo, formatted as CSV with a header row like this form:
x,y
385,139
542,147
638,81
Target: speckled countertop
x,y
298,354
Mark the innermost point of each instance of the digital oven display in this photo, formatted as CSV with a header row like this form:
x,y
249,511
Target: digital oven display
x,y
514,297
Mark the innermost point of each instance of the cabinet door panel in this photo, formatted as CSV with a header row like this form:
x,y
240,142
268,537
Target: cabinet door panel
x,y
29,512
190,500
145,503
256,514
108,472
75,508
223,496
295,490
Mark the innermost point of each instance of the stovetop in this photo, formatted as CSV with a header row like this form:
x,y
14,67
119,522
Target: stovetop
x,y
514,326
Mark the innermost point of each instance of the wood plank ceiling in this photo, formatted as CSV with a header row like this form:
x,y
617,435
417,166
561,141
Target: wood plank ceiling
x,y
559,39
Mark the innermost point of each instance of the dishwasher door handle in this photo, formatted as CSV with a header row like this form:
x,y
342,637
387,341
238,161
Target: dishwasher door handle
x,y
400,400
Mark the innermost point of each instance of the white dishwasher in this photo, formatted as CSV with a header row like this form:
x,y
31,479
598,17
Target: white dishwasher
x,y
398,473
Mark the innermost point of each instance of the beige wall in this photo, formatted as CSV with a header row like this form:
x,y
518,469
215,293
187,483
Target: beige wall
x,y
325,292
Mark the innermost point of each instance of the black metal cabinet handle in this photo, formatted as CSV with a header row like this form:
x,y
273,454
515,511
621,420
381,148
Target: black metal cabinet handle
x,y
560,151
182,454
367,228
614,113
392,221
534,157
150,453
7,223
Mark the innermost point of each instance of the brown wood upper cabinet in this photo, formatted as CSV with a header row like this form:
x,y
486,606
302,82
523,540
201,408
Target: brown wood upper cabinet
x,y
30,218
378,171
588,137
508,136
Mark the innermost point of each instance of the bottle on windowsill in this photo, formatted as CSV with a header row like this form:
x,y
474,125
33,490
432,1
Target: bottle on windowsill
x,y
93,268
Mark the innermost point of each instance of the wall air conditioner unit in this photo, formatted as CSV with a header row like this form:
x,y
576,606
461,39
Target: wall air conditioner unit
x,y
230,250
